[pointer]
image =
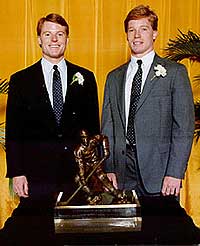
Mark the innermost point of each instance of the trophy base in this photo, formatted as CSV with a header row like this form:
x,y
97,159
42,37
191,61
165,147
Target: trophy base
x,y
99,225
98,218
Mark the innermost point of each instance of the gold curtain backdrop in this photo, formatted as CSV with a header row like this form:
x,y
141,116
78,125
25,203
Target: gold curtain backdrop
x,y
97,42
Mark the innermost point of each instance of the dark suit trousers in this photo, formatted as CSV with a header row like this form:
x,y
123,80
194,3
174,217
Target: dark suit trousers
x,y
32,221
132,179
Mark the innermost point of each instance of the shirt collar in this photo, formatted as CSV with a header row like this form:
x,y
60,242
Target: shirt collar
x,y
48,66
147,59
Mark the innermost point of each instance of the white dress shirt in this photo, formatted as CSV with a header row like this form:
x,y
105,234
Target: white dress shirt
x,y
131,71
48,70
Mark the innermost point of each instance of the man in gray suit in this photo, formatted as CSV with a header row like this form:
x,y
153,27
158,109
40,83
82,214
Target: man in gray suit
x,y
150,143
163,121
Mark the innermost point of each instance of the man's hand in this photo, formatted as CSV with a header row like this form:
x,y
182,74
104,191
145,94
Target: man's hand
x,y
112,177
20,186
171,186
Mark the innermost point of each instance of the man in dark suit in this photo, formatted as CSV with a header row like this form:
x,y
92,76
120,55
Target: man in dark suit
x,y
41,137
150,143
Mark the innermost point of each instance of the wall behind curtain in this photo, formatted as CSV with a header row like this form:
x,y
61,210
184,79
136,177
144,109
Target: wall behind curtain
x,y
97,42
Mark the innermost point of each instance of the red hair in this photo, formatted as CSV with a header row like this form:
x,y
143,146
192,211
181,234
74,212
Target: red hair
x,y
140,12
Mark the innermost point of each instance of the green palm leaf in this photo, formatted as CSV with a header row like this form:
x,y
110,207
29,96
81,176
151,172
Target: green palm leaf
x,y
4,84
197,135
2,135
185,46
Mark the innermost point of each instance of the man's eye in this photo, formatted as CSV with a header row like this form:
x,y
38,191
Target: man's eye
x,y
144,29
47,34
60,34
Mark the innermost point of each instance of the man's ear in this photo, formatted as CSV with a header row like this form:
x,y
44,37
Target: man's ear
x,y
39,41
155,34
67,41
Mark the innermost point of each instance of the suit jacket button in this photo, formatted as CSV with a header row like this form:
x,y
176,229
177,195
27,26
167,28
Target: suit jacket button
x,y
65,148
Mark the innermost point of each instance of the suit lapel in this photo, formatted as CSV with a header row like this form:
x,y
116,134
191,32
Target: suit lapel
x,y
71,70
70,73
120,87
38,78
150,80
73,94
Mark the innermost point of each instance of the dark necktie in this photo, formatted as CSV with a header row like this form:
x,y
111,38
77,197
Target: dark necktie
x,y
57,94
134,98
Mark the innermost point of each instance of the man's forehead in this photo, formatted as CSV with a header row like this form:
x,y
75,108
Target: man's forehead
x,y
140,22
51,26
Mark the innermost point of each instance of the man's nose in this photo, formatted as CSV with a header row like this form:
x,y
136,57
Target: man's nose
x,y
137,33
54,37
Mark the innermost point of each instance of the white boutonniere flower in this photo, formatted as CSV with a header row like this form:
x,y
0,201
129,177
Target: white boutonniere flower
x,y
159,71
77,77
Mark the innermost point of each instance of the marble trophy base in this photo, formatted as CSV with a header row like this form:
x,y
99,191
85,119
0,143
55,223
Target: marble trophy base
x,y
98,218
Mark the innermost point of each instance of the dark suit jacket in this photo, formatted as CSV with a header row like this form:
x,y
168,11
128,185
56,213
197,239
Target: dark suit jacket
x,y
164,124
35,146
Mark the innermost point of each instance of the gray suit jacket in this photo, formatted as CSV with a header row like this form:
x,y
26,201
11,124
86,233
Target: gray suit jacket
x,y
164,124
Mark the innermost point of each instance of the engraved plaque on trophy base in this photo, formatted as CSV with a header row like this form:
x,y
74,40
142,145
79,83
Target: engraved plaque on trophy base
x,y
98,218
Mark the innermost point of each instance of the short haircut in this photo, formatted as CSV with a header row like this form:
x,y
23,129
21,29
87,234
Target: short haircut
x,y
140,12
55,18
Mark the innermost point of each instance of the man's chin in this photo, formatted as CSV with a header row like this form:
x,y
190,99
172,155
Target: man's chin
x,y
54,56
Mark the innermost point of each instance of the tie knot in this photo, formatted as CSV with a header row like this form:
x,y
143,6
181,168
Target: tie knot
x,y
139,62
55,67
